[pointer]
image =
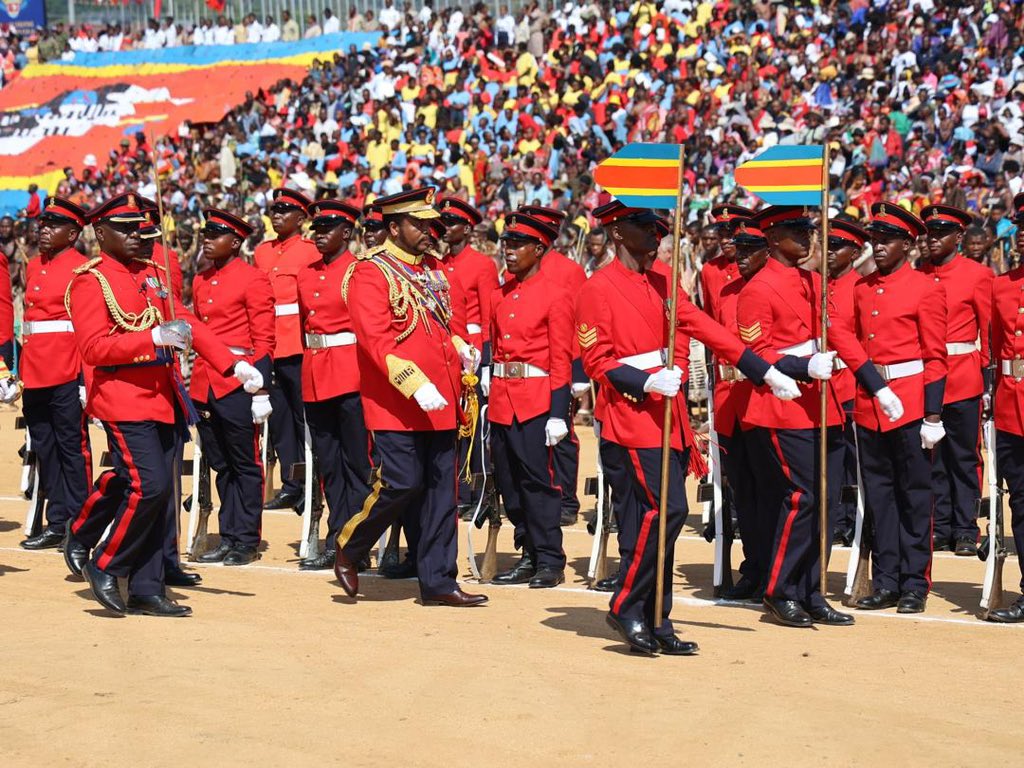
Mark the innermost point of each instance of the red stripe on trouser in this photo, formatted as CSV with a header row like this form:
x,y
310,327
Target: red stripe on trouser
x,y
257,456
794,506
641,539
93,500
86,450
111,546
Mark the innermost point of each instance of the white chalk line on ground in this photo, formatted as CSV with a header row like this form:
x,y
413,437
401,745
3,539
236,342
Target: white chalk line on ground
x,y
677,597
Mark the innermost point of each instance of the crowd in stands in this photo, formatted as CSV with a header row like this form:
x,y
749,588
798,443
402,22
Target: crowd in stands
x,y
920,101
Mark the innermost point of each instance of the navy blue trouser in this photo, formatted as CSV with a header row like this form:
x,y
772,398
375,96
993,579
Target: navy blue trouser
x,y
635,478
788,461
844,514
342,447
566,461
956,472
413,473
60,438
897,475
231,446
525,479
1010,460
738,469
287,432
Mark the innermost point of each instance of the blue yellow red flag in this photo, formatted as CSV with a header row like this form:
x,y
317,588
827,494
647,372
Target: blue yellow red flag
x,y
642,175
785,175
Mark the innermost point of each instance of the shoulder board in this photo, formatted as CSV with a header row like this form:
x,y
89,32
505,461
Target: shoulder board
x,y
378,249
81,269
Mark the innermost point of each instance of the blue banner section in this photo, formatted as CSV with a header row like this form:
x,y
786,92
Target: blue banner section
x,y
25,15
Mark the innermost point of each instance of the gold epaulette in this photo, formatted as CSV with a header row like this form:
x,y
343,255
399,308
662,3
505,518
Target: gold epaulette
x,y
382,248
345,280
81,269
126,321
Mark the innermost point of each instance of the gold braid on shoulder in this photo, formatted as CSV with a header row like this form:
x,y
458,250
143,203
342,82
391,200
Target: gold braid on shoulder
x,y
404,305
126,321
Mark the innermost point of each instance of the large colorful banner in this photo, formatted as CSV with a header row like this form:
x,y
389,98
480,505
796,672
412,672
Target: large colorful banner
x,y
53,115
25,15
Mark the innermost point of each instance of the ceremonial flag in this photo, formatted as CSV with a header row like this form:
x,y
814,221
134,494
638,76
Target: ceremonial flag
x,y
642,175
785,175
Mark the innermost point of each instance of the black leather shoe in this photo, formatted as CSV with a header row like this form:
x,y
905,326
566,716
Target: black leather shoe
x,y
842,538
636,634
46,540
215,555
547,578
882,598
744,589
966,547
941,545
321,562
403,570
787,612
829,615
466,512
75,555
283,500
568,517
240,555
176,577
104,588
911,602
1012,615
670,645
607,584
520,573
156,605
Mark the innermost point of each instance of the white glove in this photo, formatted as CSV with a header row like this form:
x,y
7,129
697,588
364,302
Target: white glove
x,y
485,380
470,358
261,408
890,403
820,365
579,389
554,431
665,382
429,399
176,333
986,403
252,379
783,387
82,396
932,433
9,390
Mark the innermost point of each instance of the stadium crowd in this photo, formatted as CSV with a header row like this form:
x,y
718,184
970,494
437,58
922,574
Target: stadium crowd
x,y
920,101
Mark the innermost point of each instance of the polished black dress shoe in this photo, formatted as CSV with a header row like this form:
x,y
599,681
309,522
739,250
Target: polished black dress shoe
x,y
826,614
1012,615
842,538
403,570
176,577
520,573
547,578
455,599
607,584
789,613
215,555
882,598
743,589
911,602
966,547
636,634
321,562
75,555
568,517
671,645
283,500
346,574
104,588
46,540
241,555
941,545
156,605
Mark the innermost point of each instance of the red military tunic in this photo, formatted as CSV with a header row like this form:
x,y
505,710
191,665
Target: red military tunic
x,y
968,289
1008,350
49,358
778,314
177,281
731,395
532,323
715,275
401,342
237,304
841,295
478,276
622,314
282,260
901,317
327,371
129,383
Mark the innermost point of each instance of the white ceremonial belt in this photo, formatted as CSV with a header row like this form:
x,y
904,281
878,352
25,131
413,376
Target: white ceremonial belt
x,y
1014,368
326,340
646,360
960,347
473,328
804,349
730,373
31,327
242,351
900,370
516,370
286,309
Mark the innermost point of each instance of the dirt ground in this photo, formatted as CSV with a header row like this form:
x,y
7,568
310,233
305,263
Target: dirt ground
x,y
277,667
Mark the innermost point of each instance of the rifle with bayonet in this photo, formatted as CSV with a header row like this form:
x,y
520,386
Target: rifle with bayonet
x,y
199,504
30,487
308,472
992,550
488,511
858,572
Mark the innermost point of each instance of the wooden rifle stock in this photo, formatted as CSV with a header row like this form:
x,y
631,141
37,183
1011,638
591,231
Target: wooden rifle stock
x,y
204,498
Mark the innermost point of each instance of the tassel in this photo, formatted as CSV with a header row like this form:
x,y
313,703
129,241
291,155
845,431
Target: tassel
x,y
470,411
